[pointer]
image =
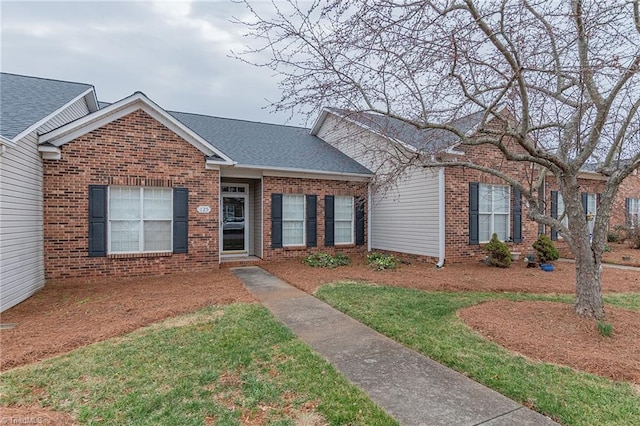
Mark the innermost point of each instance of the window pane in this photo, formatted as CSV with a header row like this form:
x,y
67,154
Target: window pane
x,y
157,236
561,208
125,236
343,233
124,203
293,207
158,203
591,203
484,221
501,199
292,233
343,208
484,198
501,226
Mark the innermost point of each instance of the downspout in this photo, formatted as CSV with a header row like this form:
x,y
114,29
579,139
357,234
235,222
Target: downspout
x,y
441,218
369,210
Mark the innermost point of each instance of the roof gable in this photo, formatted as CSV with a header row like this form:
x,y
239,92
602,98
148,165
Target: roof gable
x,y
114,111
431,140
27,102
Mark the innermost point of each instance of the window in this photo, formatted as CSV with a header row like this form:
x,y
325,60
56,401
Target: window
x,y
343,220
293,220
565,219
140,219
493,211
633,207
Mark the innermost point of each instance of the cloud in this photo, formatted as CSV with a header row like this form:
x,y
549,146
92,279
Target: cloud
x,y
177,53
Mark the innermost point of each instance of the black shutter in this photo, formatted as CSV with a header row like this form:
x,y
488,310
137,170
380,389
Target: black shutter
x,y
97,220
517,216
180,220
312,220
627,206
359,201
554,213
328,221
584,197
474,217
276,220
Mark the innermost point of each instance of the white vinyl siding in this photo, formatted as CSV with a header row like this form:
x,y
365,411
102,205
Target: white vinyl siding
x,y
405,217
343,220
140,219
21,216
293,220
493,209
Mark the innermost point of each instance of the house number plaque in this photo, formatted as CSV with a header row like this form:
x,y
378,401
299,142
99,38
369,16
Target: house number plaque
x,y
204,209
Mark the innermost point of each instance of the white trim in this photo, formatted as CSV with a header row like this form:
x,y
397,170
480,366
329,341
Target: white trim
x,y
352,221
309,174
492,213
52,115
244,195
137,101
262,217
369,215
50,152
304,220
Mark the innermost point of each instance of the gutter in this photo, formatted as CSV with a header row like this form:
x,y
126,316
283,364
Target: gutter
x,y
441,218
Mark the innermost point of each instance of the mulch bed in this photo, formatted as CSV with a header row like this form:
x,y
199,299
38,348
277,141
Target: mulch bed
x,y
66,315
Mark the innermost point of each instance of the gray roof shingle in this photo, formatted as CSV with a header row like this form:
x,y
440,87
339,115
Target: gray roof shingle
x,y
270,145
26,100
431,140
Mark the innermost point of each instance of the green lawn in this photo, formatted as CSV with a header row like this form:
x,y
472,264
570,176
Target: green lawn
x,y
221,365
426,322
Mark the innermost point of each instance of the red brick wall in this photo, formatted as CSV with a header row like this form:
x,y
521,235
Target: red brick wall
x,y
319,187
134,150
630,188
457,179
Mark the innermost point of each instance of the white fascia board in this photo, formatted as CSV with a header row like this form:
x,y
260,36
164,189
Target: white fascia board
x,y
308,174
92,101
137,101
317,125
53,114
4,142
591,175
50,152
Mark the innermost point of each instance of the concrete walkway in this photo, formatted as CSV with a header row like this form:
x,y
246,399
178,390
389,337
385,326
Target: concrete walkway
x,y
412,388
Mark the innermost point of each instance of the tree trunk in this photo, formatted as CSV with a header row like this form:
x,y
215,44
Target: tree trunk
x,y
588,281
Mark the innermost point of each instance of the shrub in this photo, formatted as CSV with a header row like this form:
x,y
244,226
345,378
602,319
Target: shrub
x,y
605,328
613,237
380,261
499,254
545,249
325,260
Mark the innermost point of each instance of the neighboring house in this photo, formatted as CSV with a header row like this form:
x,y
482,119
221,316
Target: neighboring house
x,y
29,107
448,213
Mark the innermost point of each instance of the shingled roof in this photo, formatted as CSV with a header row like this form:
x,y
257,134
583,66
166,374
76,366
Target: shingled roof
x,y
431,140
273,146
24,101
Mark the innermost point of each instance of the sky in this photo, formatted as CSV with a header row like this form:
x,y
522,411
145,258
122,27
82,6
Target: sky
x,y
176,53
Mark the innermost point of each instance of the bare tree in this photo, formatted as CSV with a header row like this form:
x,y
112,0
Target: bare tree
x,y
561,78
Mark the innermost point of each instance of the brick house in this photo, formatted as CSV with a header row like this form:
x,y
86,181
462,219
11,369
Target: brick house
x,y
448,213
92,190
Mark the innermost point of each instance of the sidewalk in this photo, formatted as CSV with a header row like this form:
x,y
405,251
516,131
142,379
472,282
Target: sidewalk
x,y
412,388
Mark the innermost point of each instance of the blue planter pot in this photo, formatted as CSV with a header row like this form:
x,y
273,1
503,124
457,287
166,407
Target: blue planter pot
x,y
547,267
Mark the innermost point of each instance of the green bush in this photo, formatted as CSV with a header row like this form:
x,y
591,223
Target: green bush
x,y
325,260
605,328
380,261
613,237
498,253
545,249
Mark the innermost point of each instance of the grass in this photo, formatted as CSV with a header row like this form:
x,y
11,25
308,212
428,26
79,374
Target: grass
x,y
426,322
227,366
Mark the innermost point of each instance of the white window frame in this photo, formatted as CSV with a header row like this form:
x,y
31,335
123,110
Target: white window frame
x,y
493,213
304,220
336,221
141,220
561,210
634,211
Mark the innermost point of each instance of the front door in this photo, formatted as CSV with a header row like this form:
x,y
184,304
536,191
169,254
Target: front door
x,y
234,219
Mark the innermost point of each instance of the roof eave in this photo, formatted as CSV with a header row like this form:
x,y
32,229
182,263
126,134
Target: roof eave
x,y
305,171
